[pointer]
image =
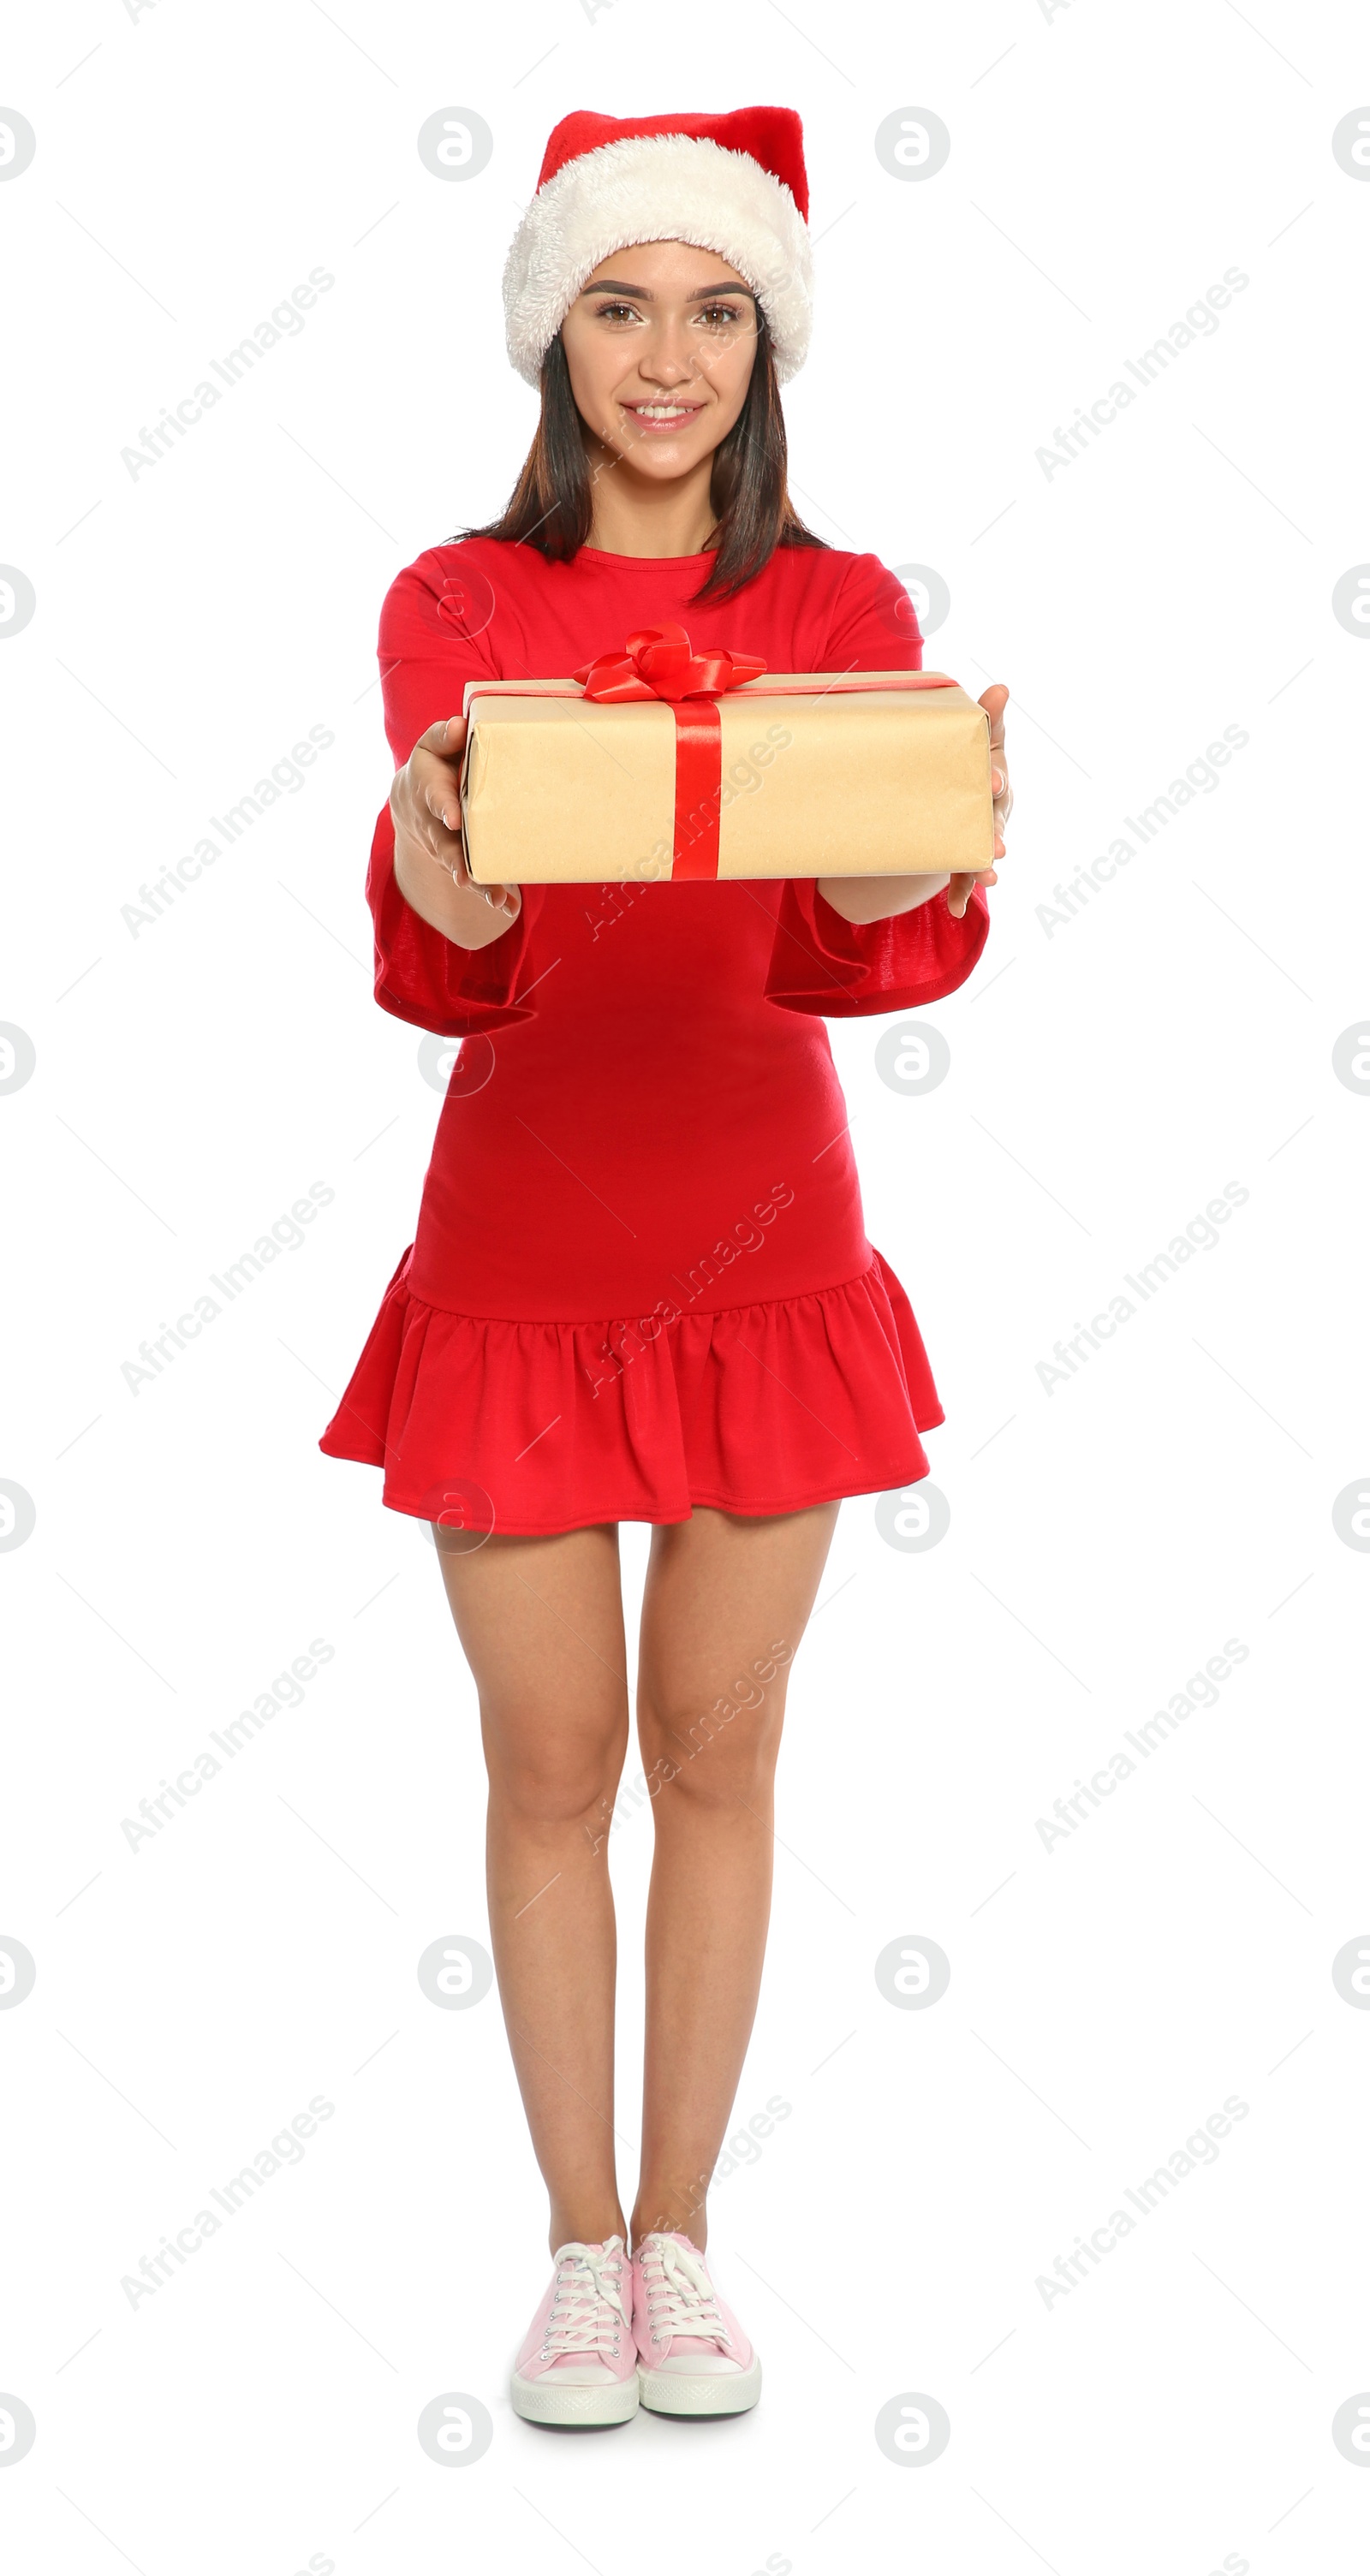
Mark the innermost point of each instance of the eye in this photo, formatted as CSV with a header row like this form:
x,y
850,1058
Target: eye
x,y
719,314
609,312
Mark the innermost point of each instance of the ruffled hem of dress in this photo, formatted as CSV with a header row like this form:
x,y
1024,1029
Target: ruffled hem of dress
x,y
532,1428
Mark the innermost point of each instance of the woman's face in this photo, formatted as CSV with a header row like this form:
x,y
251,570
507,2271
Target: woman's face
x,y
659,345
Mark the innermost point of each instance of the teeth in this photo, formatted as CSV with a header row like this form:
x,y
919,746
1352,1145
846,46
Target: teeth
x,y
663,411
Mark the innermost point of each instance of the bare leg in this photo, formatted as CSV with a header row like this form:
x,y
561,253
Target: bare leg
x,y
726,1603
541,1624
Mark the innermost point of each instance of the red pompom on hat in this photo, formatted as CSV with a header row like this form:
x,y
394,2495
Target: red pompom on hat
x,y
734,184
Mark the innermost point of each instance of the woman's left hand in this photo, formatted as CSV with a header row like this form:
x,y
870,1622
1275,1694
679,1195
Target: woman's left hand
x,y
994,702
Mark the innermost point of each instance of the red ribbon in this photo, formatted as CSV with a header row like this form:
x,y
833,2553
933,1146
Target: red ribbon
x,y
658,662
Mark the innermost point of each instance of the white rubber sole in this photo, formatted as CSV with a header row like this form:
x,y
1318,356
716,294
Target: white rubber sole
x,y
671,2392
559,2401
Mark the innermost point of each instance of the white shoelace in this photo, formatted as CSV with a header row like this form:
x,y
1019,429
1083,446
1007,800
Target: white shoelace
x,y
588,2279
681,2299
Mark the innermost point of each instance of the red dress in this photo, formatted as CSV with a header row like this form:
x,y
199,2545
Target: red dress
x,y
641,1278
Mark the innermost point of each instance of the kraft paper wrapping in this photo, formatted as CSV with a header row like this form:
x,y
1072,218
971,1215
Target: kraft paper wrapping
x,y
819,776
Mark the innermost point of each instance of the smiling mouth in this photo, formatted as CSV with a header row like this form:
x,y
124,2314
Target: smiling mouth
x,y
662,412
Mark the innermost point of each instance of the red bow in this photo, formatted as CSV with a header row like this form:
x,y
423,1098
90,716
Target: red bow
x,y
657,662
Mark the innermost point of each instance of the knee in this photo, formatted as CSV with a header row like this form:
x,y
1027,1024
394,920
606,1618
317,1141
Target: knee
x,y
719,1757
555,1773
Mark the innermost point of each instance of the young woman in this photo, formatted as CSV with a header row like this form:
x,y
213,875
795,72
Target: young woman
x,y
641,1287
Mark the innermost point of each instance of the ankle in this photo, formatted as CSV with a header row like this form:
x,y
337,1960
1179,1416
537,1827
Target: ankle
x,y
661,2214
585,2227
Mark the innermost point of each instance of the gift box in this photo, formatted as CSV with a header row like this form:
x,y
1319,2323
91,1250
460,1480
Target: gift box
x,y
658,762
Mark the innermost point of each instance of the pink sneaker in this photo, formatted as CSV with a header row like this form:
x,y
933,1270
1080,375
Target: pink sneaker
x,y
578,2361
694,2358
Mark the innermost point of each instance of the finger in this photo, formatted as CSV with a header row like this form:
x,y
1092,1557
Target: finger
x,y
961,887
994,701
439,798
501,898
505,899
435,786
445,738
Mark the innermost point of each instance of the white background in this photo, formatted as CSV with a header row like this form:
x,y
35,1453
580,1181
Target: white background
x,y
258,2412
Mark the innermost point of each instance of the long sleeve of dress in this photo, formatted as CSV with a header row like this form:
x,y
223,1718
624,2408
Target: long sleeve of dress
x,y
430,644
842,969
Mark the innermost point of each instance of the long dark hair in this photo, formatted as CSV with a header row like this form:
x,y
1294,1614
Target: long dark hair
x,y
551,505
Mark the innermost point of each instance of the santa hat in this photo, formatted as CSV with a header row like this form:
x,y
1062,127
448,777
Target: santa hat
x,y
734,184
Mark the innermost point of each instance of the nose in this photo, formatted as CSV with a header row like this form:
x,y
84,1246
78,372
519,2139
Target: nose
x,y
667,359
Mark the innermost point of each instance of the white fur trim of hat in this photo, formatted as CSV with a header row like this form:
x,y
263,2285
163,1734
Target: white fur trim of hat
x,y
658,187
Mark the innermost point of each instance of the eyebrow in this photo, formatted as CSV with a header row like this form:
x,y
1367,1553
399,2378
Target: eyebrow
x,y
644,295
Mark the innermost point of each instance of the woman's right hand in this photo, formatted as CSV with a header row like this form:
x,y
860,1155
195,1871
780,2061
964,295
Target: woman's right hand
x,y
426,805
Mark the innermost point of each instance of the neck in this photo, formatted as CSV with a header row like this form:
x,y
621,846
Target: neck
x,y
636,516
